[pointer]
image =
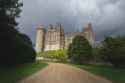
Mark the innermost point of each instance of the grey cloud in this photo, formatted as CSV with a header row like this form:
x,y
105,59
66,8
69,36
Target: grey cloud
x,y
107,16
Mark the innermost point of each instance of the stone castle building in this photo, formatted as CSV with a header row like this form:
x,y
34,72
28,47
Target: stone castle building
x,y
55,38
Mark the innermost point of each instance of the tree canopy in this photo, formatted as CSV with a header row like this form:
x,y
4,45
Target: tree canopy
x,y
80,50
15,47
114,50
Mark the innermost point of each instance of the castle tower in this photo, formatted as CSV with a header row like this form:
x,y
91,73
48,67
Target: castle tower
x,y
49,38
40,35
54,39
62,36
89,34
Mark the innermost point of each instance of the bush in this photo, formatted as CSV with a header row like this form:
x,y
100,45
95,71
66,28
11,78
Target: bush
x,y
24,49
80,51
55,54
114,51
16,48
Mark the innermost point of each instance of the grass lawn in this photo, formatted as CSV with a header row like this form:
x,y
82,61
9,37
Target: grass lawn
x,y
12,75
113,74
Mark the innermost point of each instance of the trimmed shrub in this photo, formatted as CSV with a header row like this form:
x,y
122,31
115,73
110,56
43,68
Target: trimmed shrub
x,y
55,54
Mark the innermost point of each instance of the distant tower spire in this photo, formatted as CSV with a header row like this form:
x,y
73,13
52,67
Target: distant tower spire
x,y
89,34
50,26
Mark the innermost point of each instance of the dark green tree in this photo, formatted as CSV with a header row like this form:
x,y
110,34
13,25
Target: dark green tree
x,y
15,47
69,51
96,52
114,51
80,50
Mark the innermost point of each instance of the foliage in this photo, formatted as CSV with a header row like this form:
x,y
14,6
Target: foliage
x,y
96,52
15,47
80,50
114,51
10,7
55,54
24,50
69,51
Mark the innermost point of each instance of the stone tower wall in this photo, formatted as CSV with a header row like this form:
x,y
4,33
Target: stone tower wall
x,y
89,34
54,39
40,39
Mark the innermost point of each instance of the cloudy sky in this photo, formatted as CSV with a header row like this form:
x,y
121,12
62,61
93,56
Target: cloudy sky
x,y
107,16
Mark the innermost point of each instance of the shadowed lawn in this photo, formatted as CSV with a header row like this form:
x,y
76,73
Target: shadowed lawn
x,y
12,75
113,74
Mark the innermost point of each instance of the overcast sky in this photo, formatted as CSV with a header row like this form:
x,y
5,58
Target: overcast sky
x,y
107,16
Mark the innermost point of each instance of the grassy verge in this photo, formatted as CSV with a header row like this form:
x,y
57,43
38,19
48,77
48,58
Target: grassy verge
x,y
113,74
12,75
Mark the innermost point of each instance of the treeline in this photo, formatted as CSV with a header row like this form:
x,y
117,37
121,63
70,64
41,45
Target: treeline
x,y
15,47
112,51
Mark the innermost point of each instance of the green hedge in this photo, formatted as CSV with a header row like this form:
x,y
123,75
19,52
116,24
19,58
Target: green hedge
x,y
55,54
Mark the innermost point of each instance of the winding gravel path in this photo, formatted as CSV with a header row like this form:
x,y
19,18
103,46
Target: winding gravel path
x,y
62,73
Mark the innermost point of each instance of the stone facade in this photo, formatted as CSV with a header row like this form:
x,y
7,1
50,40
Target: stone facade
x,y
55,38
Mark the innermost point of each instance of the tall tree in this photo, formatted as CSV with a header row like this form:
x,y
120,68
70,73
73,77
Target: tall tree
x,y
9,10
114,50
80,50
15,47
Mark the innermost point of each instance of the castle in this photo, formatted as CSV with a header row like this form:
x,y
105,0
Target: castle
x,y
55,38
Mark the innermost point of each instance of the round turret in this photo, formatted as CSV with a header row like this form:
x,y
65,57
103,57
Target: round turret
x,y
40,35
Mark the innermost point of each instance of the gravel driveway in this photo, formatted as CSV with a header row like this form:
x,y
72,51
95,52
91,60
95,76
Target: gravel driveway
x,y
62,73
